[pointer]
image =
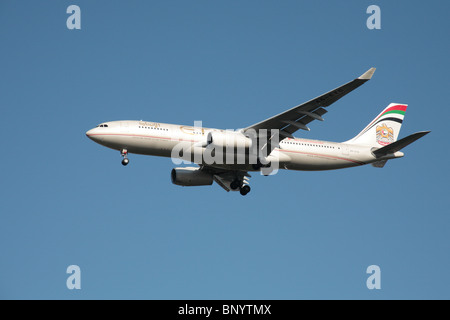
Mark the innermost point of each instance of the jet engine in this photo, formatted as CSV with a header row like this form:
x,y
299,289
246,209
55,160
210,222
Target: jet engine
x,y
191,176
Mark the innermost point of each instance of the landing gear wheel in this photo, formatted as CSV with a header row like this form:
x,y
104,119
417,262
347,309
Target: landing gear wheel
x,y
244,190
235,184
124,154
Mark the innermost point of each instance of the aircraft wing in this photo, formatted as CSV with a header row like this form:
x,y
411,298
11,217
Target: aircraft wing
x,y
224,177
299,116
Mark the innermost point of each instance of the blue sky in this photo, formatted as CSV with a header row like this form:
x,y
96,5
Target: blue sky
x,y
298,235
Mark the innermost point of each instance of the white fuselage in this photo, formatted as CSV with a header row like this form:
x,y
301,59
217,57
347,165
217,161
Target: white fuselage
x,y
159,139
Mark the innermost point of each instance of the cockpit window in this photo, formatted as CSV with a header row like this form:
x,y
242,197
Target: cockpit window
x,y
103,126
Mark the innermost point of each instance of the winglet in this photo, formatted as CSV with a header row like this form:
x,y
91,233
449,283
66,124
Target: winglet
x,y
368,74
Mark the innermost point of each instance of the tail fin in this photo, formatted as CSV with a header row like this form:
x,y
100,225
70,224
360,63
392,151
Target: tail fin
x,y
384,129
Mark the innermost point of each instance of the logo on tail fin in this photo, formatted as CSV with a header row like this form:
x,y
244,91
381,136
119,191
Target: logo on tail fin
x,y
385,135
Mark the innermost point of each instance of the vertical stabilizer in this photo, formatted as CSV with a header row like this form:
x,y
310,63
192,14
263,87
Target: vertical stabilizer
x,y
384,129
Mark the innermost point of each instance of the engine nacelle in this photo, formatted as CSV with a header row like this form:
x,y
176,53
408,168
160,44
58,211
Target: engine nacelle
x,y
228,139
191,176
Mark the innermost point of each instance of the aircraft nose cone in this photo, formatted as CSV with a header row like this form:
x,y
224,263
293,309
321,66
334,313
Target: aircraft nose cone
x,y
93,135
89,133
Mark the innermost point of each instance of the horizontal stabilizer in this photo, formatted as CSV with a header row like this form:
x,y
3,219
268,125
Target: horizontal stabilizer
x,y
400,144
379,164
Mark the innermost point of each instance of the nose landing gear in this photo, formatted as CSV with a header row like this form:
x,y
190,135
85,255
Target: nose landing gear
x,y
124,154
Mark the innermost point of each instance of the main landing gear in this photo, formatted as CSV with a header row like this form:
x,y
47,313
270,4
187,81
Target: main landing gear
x,y
124,154
243,188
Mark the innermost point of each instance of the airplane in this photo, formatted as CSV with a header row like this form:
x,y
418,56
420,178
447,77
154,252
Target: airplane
x,y
263,147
